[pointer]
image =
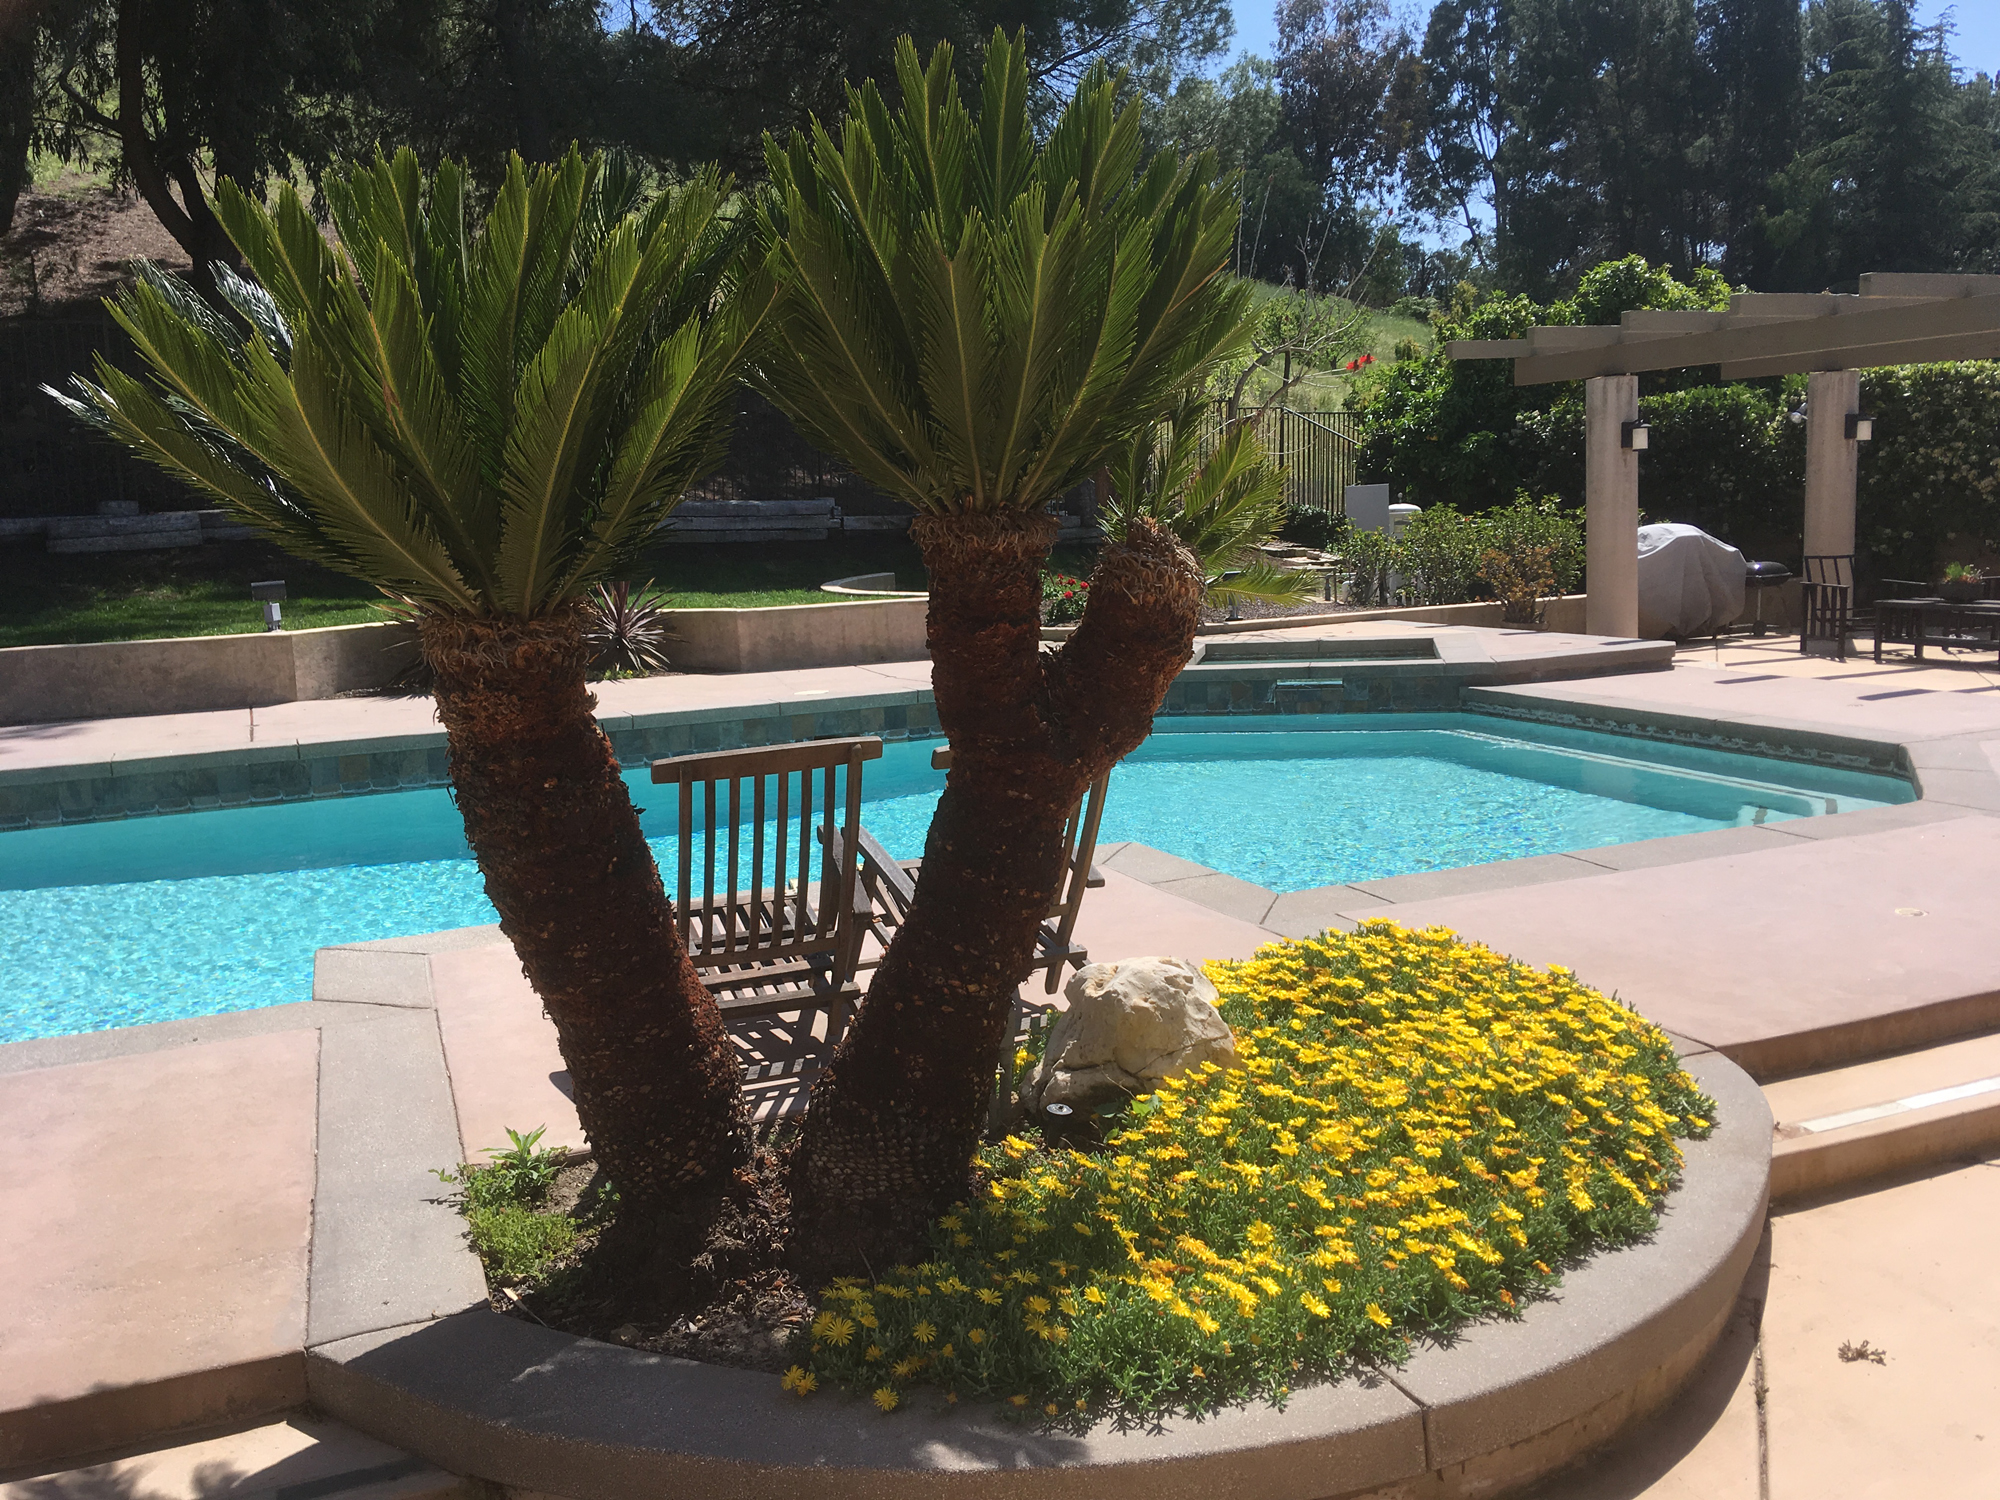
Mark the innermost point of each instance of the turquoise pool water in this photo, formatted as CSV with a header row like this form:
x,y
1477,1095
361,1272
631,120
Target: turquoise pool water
x,y
116,924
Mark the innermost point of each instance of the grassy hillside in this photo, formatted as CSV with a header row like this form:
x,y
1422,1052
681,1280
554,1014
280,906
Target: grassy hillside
x,y
1327,389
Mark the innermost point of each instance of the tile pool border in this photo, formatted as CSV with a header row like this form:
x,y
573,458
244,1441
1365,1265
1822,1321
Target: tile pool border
x,y
300,770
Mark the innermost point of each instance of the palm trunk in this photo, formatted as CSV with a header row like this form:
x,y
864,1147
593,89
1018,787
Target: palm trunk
x,y
566,865
896,1115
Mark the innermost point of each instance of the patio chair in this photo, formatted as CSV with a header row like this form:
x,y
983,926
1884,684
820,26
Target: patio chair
x,y
1827,601
768,934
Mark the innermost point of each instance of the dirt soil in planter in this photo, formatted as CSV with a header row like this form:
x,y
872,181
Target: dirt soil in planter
x,y
736,1306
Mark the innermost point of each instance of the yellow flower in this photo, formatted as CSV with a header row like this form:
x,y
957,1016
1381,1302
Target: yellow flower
x,y
987,1295
886,1397
1050,1408
1093,1294
833,1328
1018,1400
1376,1315
799,1380
975,1335
905,1367
924,1332
1038,1305
874,1352
1315,1306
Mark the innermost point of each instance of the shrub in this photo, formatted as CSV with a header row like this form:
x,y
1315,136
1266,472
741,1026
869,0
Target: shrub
x,y
1419,1132
1932,474
1308,526
1447,557
1063,598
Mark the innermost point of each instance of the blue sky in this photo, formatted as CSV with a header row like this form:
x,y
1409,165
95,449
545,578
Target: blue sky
x,y
1976,43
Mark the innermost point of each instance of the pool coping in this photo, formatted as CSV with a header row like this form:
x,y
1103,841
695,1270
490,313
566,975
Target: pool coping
x,y
305,768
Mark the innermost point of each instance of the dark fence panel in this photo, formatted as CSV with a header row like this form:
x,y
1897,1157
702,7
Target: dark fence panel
x,y
50,463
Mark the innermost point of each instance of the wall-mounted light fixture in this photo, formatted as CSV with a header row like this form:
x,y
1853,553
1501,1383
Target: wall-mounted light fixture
x,y
1635,435
270,594
1860,427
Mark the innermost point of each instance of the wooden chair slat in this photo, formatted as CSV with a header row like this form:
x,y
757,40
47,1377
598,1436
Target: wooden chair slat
x,y
788,943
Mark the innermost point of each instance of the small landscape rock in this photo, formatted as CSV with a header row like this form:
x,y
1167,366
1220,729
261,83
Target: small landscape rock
x,y
1129,1025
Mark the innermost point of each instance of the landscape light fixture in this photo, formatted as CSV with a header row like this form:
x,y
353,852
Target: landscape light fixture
x,y
271,594
1860,427
1635,435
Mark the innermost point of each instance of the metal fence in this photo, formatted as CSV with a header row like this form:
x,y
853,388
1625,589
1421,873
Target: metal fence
x,y
1315,449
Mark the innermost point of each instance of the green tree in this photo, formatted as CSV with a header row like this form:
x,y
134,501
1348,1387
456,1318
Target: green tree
x,y
1462,433
483,424
1898,167
974,321
164,95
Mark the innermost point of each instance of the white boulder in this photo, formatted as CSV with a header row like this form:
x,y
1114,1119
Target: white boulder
x,y
1129,1025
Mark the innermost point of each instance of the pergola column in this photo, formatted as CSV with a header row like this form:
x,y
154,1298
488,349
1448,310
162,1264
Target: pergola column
x,y
1830,462
1610,507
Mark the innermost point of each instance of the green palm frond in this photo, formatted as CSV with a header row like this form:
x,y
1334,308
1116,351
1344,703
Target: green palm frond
x,y
486,423
1220,494
973,321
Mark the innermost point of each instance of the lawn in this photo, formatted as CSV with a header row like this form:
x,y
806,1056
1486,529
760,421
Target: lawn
x,y
48,599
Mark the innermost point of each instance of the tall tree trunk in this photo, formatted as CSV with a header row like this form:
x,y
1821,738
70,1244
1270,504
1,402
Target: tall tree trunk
x,y
558,840
17,117
896,1114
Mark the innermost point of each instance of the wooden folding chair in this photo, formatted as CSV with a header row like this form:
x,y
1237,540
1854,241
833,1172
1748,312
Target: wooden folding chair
x,y
767,934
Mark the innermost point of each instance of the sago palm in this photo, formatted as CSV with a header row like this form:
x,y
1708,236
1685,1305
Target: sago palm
x,y
1221,498
484,422
974,320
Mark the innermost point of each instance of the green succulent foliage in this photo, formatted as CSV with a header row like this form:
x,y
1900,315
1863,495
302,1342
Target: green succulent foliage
x,y
482,421
1220,495
971,319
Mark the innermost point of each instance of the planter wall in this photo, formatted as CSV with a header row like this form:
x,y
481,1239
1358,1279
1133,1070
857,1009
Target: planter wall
x,y
194,674
799,635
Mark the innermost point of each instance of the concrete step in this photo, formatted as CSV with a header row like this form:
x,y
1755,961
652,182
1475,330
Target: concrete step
x,y
1887,1114
300,1458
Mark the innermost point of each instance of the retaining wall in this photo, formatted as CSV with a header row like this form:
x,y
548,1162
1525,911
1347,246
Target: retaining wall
x,y
845,634
194,674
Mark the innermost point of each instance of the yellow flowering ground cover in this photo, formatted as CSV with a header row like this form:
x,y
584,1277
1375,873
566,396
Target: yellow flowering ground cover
x,y
1419,1132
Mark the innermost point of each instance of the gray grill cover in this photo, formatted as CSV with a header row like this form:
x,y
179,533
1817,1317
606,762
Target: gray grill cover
x,y
1690,583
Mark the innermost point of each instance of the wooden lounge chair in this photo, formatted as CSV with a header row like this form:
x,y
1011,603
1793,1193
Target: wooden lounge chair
x,y
768,935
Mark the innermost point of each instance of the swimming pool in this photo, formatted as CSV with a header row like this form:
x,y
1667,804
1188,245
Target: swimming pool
x,y
151,919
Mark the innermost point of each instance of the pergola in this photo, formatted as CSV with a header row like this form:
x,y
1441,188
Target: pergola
x,y
1892,320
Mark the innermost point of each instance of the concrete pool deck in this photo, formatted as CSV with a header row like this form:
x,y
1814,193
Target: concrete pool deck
x,y
115,1225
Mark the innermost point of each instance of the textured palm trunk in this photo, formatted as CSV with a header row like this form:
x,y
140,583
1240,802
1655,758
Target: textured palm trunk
x,y
566,865
896,1115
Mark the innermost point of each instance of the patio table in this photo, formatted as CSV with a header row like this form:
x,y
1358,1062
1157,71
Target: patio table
x,y
1936,622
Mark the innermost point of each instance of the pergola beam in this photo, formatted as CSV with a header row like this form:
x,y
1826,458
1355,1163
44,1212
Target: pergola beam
x,y
1897,319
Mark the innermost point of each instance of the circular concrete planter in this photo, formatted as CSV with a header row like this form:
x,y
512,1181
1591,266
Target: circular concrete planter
x,y
1506,1403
